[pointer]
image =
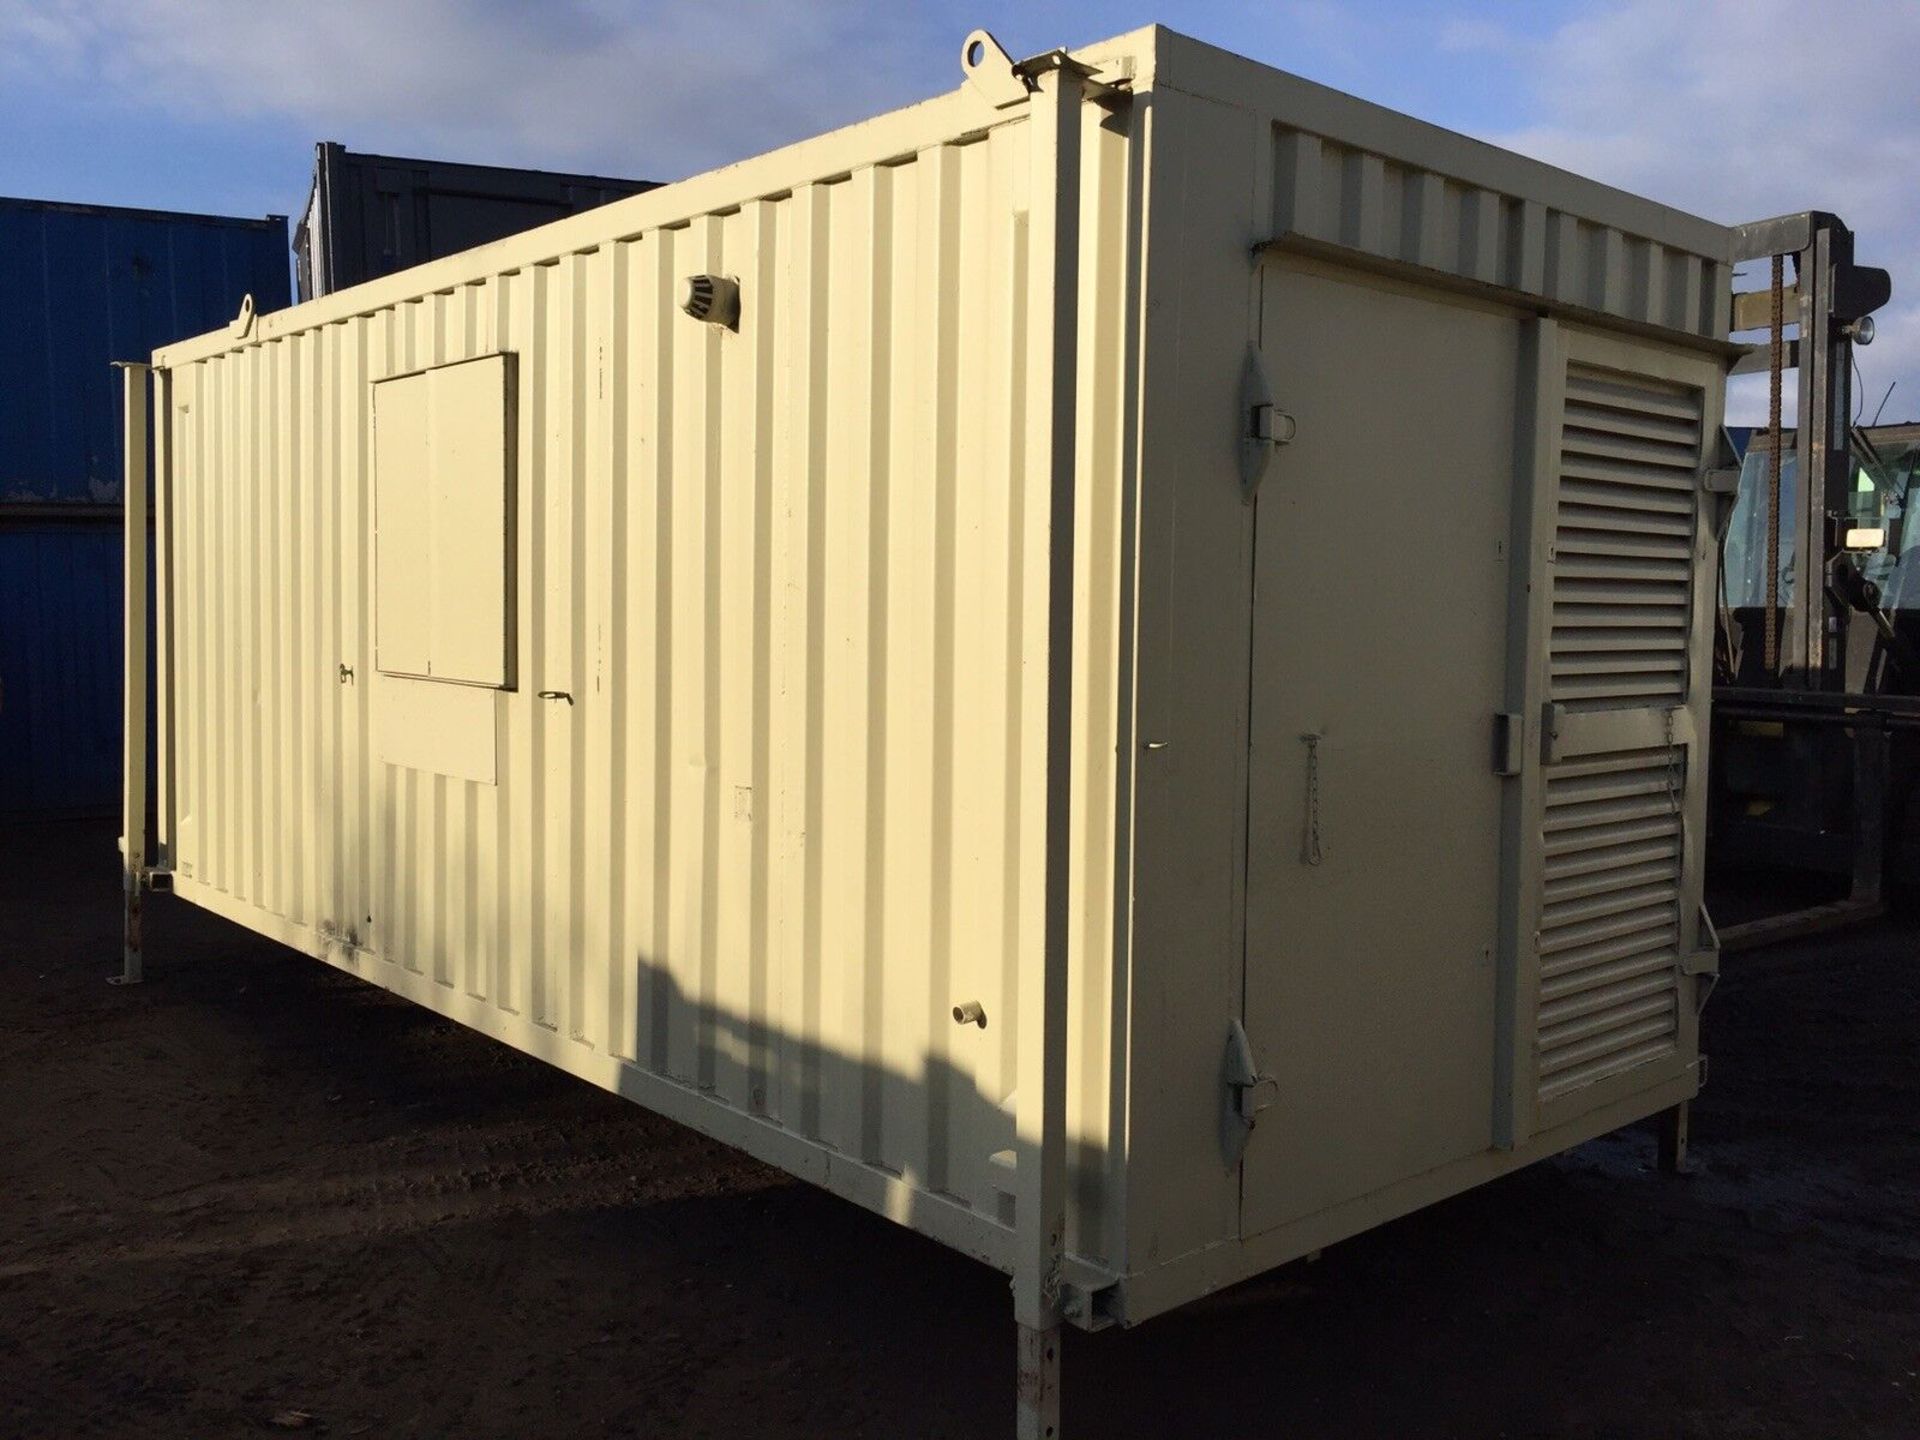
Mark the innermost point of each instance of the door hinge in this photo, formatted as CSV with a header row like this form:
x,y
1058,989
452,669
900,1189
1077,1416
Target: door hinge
x,y
1265,427
1703,962
1248,1093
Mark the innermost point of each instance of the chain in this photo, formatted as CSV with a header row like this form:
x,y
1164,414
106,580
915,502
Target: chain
x,y
1311,851
1675,777
1673,770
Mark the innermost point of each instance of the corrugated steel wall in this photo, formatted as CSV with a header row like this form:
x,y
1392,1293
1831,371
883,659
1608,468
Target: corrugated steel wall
x,y
89,285
1344,194
370,215
85,286
60,665
791,577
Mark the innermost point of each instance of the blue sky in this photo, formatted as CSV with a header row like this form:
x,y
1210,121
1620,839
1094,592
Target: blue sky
x,y
215,104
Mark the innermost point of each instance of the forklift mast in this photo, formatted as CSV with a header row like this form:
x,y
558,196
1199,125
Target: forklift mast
x,y
1813,753
1828,303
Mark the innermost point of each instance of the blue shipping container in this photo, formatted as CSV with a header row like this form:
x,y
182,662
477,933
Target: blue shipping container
x,y
82,286
60,661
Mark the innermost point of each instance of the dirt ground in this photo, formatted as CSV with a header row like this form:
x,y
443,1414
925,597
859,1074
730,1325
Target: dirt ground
x,y
255,1185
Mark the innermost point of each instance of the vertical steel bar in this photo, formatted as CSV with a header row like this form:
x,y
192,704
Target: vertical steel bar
x,y
133,840
1052,311
1829,457
1038,1357
1776,360
1675,1136
1811,453
1530,611
1871,747
161,503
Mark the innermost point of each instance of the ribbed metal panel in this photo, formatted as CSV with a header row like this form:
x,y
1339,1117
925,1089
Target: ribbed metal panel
x,y
82,286
60,667
1480,229
790,579
87,285
1623,547
1610,916
370,215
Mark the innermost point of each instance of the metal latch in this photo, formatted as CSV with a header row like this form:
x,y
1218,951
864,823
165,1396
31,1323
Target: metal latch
x,y
1273,425
1248,1093
1509,743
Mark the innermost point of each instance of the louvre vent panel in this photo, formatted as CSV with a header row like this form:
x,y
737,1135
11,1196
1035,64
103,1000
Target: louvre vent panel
x,y
1581,537
1594,1057
1629,395
1606,907
1642,935
1630,1005
1645,460
1613,867
1623,542
1605,513
1595,977
1609,918
1629,486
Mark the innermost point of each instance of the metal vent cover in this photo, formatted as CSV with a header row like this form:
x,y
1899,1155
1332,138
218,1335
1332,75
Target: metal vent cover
x,y
1623,541
1609,915
714,299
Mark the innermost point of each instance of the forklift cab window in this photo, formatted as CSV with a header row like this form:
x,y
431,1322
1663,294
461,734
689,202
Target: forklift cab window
x,y
1880,501
1896,567
1743,566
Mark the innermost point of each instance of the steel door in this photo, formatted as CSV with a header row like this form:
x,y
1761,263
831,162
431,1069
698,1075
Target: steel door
x,y
1608,814
1378,665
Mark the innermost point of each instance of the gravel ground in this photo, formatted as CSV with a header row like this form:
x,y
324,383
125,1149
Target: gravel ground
x,y
256,1186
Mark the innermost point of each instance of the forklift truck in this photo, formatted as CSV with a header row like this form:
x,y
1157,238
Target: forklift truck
x,y
1816,705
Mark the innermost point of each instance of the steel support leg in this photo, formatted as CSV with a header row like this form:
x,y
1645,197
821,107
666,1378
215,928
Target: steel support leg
x,y
130,961
1673,1128
1039,1383
1870,754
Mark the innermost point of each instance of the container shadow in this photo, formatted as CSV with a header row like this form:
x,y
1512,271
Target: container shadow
x,y
255,1184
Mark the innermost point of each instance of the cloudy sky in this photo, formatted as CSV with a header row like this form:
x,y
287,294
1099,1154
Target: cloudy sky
x,y
1734,109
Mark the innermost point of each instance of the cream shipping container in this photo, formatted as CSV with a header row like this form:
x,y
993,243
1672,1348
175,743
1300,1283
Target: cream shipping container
x,y
1111,666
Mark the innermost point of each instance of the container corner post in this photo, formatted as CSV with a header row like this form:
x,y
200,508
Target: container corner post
x,y
133,836
1054,122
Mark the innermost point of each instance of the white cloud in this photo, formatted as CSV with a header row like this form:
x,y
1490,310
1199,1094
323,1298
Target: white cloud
x,y
1734,109
654,89
1741,109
